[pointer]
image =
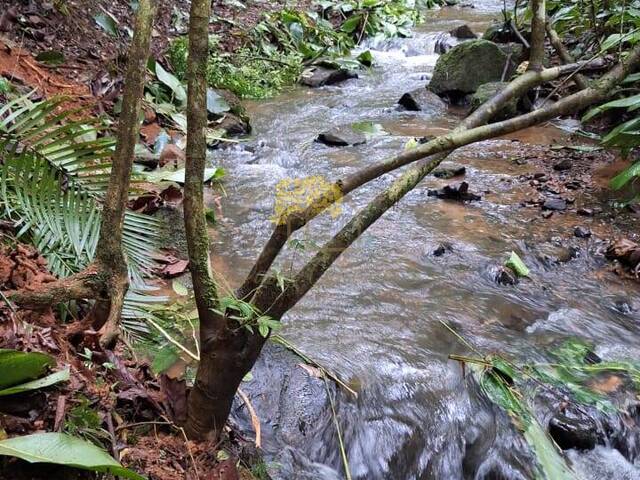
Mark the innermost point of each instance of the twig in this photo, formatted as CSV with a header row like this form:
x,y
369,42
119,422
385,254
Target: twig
x,y
193,460
343,452
254,417
140,424
112,434
8,302
173,340
60,412
289,346
518,34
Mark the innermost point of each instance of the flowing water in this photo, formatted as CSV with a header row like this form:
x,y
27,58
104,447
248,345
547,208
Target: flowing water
x,y
374,318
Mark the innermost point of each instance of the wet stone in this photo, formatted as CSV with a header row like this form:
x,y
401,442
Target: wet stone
x,y
574,430
451,172
462,32
319,76
459,192
554,204
505,276
421,99
442,249
563,165
585,212
342,137
582,232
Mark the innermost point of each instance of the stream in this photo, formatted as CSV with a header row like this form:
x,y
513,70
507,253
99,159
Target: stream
x,y
375,317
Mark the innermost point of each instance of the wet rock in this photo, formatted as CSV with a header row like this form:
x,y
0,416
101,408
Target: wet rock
x,y
505,276
555,204
582,232
563,165
421,99
465,67
574,430
342,137
462,32
319,76
459,192
449,172
234,125
591,358
444,43
291,400
547,214
489,90
502,33
624,306
442,249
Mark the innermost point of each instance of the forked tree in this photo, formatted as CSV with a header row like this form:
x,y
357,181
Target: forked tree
x,y
228,351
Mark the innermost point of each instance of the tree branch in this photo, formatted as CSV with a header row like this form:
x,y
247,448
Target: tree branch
x,y
288,225
563,53
315,268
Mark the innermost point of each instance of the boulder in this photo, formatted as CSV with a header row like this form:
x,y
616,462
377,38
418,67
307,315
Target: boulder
x,y
459,192
463,32
515,52
563,165
342,137
319,76
465,67
582,232
421,99
234,125
503,33
488,90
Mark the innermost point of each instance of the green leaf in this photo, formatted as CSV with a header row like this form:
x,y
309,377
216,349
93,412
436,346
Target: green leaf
x,y
107,23
51,57
216,103
179,288
18,367
351,24
625,177
369,128
178,176
47,381
171,81
164,359
516,264
365,58
62,449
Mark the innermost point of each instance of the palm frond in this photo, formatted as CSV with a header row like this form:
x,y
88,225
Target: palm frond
x,y
53,172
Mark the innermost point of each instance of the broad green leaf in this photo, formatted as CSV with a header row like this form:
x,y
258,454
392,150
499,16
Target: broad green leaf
x,y
177,176
18,367
216,103
179,288
107,23
164,359
369,128
516,264
628,102
47,381
350,25
62,449
171,81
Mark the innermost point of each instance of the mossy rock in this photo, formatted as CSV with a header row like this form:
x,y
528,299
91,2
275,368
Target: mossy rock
x,y
487,91
466,66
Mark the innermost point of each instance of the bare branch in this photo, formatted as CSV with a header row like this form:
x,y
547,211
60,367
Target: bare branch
x,y
563,53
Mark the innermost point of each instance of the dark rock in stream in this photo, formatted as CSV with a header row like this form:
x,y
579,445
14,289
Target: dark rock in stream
x,y
422,99
342,137
554,204
505,276
462,32
294,410
582,232
447,173
563,165
442,249
319,76
458,192
574,430
234,125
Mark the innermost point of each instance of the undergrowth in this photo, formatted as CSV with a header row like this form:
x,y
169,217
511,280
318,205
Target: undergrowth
x,y
279,47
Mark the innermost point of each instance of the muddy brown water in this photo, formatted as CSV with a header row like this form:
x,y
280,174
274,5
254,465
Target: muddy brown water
x,y
374,318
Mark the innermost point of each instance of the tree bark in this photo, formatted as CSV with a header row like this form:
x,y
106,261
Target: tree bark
x,y
538,21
